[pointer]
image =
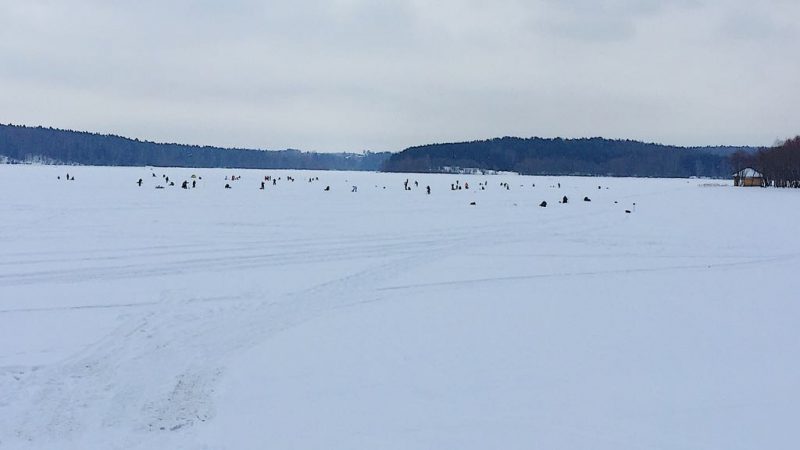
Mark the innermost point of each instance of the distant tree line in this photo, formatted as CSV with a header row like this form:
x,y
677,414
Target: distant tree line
x,y
588,156
52,146
780,165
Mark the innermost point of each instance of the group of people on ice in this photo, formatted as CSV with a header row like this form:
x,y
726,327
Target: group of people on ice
x,y
407,185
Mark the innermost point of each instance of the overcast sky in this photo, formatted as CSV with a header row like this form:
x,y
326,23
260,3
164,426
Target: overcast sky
x,y
384,75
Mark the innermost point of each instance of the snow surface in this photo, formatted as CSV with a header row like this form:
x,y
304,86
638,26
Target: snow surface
x,y
294,318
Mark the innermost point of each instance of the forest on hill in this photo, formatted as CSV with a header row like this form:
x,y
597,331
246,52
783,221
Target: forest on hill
x,y
529,156
20,144
588,156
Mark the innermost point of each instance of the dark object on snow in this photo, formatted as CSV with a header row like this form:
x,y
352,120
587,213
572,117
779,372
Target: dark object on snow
x,y
262,186
159,187
564,200
327,188
627,211
543,204
139,182
194,183
587,199
227,186
172,183
185,185
472,203
429,190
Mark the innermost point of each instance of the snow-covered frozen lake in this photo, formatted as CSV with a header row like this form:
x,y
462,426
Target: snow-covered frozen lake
x,y
295,318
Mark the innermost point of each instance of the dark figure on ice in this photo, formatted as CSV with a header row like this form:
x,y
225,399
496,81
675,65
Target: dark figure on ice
x,y
139,182
194,183
262,186
543,204
185,185
327,188
172,183
564,200
227,186
429,190
587,199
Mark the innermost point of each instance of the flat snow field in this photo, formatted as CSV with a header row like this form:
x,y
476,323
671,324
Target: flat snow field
x,y
295,318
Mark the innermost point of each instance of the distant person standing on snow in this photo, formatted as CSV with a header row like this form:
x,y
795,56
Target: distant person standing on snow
x,y
139,182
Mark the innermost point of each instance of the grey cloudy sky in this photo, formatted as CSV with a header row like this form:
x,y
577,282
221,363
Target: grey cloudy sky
x,y
384,75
